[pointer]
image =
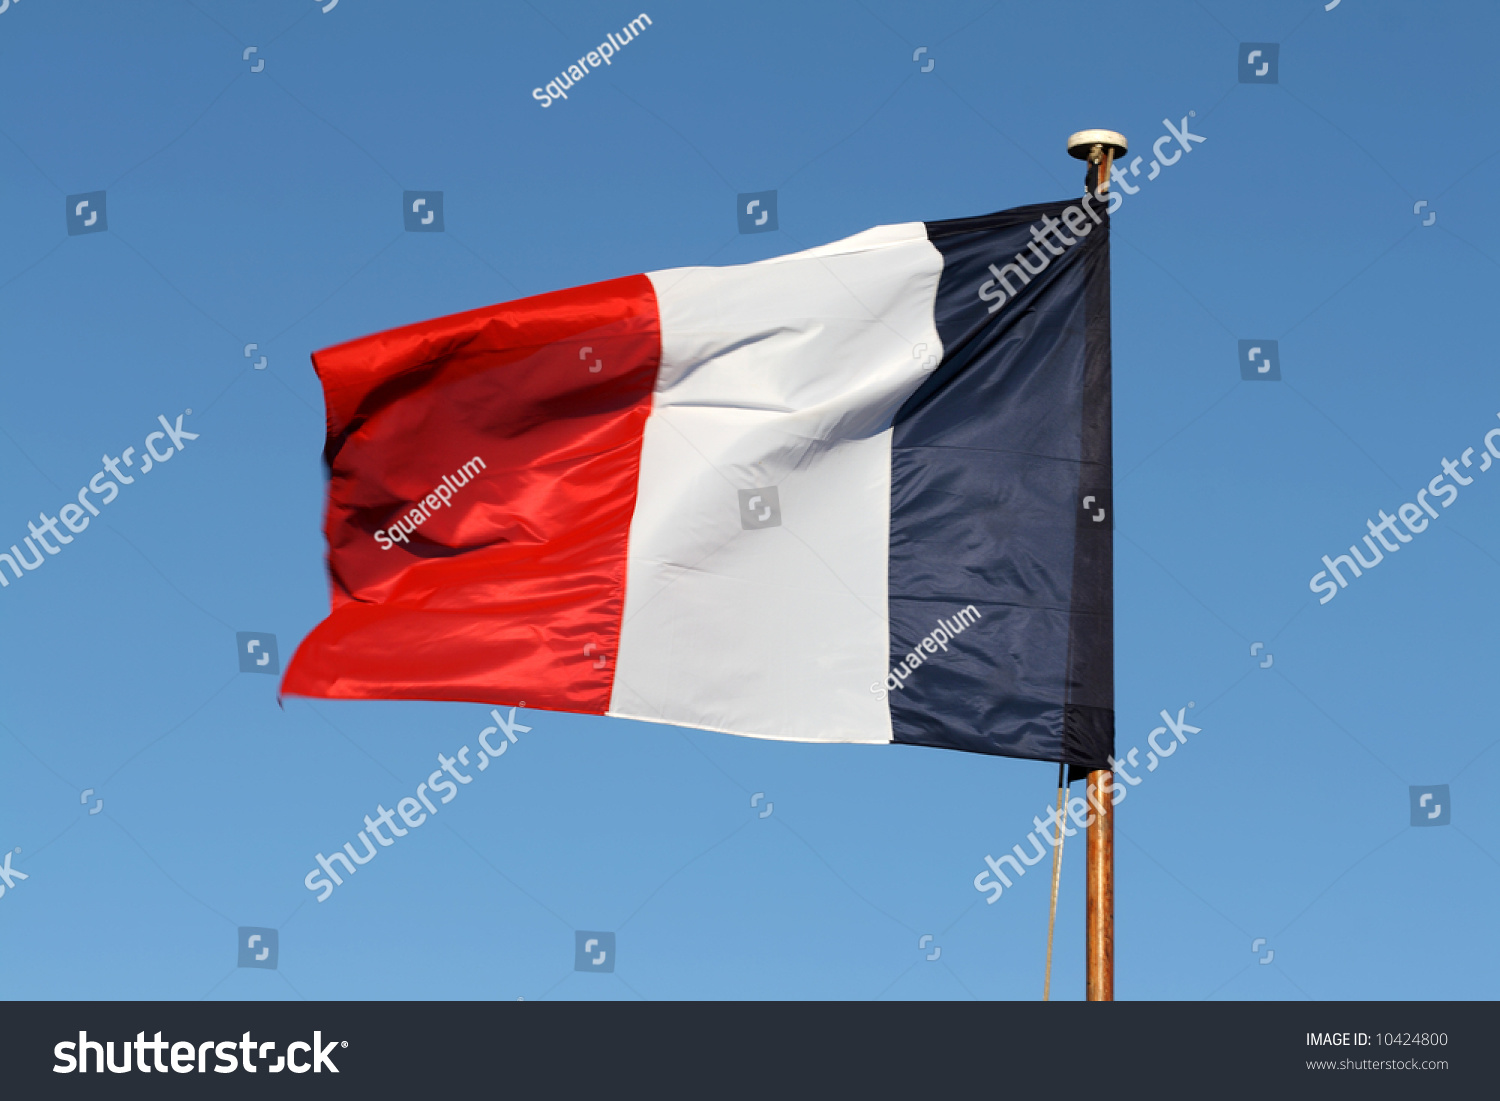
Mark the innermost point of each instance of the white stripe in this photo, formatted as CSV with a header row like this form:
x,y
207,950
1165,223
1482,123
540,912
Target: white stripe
x,y
786,374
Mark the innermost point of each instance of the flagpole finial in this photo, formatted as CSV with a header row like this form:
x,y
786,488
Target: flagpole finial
x,y
1099,148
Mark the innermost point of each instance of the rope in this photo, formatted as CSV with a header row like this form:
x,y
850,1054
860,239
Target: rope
x,y
1056,878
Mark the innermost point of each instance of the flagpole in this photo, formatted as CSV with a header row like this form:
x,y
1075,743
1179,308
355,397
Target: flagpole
x,y
1100,873
1099,148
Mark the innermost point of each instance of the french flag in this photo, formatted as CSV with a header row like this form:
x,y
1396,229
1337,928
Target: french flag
x,y
859,493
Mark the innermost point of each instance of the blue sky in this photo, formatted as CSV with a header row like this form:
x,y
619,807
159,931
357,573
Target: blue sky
x,y
262,207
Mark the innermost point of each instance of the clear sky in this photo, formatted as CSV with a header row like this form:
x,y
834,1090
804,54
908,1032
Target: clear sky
x,y
262,207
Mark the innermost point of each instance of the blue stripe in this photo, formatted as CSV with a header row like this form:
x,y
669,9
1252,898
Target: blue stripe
x,y
990,460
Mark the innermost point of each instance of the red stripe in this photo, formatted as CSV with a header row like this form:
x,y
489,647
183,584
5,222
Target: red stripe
x,y
495,596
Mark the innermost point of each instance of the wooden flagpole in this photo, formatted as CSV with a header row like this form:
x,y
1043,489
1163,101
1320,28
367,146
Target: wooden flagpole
x,y
1100,871
1099,148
